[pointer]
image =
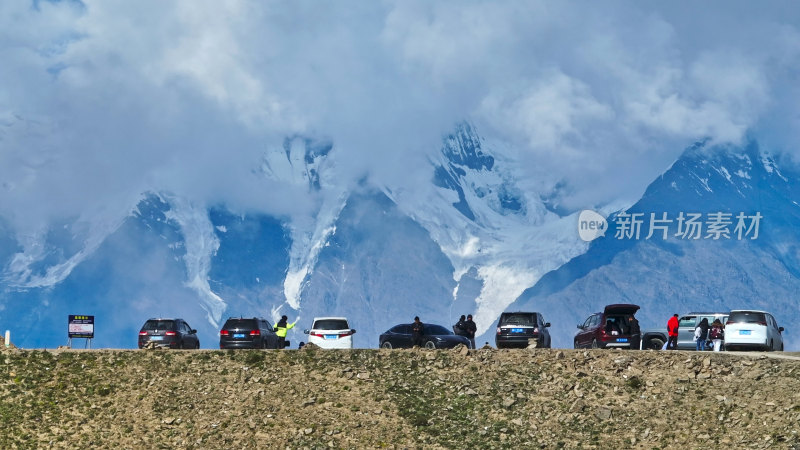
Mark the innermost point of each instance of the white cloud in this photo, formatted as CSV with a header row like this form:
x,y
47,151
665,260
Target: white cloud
x,y
102,100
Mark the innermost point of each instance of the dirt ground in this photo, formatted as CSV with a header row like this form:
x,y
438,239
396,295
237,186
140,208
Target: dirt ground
x,y
537,398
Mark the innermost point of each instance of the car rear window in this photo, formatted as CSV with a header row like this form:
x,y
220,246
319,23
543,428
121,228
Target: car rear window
x,y
241,323
331,324
518,319
747,317
158,325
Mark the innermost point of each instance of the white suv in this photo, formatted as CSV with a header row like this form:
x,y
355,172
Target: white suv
x,y
330,332
748,329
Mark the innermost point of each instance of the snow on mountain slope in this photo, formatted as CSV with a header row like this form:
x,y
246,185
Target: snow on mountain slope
x,y
493,231
306,162
676,275
137,272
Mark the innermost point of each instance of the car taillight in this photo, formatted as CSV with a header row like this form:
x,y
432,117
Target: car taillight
x,y
345,334
729,322
255,333
314,333
223,332
143,333
170,333
498,330
763,322
535,330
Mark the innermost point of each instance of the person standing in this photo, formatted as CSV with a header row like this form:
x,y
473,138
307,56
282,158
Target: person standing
x,y
417,328
702,336
634,331
281,328
672,332
717,334
471,330
460,328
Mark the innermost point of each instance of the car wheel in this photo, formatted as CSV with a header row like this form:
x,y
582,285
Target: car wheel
x,y
781,346
594,343
654,344
386,344
197,345
182,345
430,345
771,346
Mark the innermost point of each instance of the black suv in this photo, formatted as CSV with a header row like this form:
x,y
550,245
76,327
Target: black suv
x,y
515,329
170,333
253,332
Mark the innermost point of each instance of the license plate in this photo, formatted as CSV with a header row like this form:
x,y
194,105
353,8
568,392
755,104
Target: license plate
x,y
517,330
238,336
331,336
622,339
156,338
744,332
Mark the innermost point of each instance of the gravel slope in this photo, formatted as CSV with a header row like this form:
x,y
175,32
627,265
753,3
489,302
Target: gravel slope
x,y
396,399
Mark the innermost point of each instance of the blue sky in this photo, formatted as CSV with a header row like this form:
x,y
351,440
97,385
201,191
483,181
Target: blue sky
x,y
102,100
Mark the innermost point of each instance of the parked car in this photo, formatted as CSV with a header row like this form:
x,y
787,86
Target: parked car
x,y
330,332
607,329
254,332
687,324
757,330
515,329
433,336
170,333
656,338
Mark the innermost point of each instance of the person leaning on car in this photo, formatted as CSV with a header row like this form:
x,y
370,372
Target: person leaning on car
x,y
281,328
416,332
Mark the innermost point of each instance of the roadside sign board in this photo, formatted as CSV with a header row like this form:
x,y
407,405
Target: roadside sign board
x,y
81,327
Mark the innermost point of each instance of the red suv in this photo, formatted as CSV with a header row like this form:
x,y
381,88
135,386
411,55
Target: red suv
x,y
609,328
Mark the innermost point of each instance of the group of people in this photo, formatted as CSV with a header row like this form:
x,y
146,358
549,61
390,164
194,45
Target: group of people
x,y
706,337
467,328
464,327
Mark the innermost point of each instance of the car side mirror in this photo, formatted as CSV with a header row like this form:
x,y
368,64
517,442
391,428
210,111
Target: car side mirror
x,y
547,324
305,331
780,329
580,327
193,331
353,331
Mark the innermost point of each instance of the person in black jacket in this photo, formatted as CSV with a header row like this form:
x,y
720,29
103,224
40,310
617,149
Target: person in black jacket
x,y
460,328
704,327
417,328
634,331
471,330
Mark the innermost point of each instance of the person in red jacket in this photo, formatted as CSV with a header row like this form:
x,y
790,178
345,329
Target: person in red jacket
x,y
672,331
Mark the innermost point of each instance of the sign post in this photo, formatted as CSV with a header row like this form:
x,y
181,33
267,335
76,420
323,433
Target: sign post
x,y
81,327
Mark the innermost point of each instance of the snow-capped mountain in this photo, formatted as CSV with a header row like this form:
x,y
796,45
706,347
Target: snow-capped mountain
x,y
470,242
474,239
679,273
